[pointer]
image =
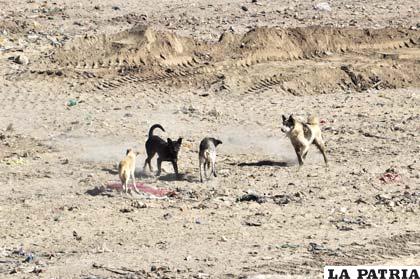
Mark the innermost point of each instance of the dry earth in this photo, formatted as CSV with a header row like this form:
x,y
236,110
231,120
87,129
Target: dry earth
x,y
100,73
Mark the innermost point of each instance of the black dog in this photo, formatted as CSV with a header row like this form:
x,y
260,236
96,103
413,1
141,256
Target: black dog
x,y
167,151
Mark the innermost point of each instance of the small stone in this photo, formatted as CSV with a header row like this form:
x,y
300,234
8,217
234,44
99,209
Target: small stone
x,y
223,239
138,204
167,216
244,8
22,59
324,6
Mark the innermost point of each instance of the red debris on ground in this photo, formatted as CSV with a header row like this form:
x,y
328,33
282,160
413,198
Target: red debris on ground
x,y
390,176
115,185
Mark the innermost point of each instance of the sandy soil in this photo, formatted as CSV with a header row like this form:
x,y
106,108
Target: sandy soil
x,y
202,68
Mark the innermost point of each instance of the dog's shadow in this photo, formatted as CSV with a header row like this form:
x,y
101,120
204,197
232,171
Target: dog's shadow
x,y
263,163
180,177
100,191
110,171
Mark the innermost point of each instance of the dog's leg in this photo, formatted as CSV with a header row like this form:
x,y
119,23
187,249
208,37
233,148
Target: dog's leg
x,y
305,151
206,168
321,146
147,162
214,169
175,165
213,163
299,156
134,182
123,186
126,184
200,164
159,165
150,165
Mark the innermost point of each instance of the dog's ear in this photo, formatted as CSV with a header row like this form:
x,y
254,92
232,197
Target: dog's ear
x,y
128,151
284,117
169,141
180,140
217,142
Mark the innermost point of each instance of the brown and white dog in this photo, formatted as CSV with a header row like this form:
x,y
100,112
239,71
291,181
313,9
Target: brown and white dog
x,y
302,135
126,170
207,156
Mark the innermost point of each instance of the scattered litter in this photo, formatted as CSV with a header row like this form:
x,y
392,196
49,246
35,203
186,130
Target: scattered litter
x,y
103,249
280,199
138,204
37,270
285,199
14,161
251,197
126,210
72,102
389,176
316,248
54,42
167,216
344,228
76,236
323,6
360,200
289,245
115,185
22,59
398,199
29,258
253,223
20,251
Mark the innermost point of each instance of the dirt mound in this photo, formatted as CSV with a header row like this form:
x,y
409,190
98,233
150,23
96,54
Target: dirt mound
x,y
308,41
137,46
306,60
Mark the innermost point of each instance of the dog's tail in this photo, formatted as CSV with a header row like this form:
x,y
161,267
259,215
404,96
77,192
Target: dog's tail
x,y
313,120
206,154
154,127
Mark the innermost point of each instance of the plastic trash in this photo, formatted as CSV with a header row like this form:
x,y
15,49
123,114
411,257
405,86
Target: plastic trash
x,y
323,6
72,102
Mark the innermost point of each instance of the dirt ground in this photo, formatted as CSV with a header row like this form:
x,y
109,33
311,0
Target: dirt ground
x,y
82,81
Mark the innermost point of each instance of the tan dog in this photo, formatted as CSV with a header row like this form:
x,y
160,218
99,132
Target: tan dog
x,y
126,170
302,135
207,156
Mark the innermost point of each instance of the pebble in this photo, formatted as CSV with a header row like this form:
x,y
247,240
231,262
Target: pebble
x,y
22,59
